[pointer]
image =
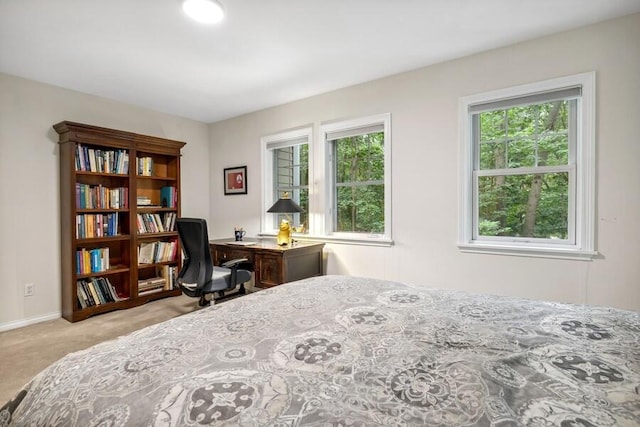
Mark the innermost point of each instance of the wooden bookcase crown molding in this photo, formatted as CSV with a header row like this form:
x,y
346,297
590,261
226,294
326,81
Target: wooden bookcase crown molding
x,y
120,196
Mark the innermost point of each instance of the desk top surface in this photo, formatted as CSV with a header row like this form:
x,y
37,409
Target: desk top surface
x,y
256,244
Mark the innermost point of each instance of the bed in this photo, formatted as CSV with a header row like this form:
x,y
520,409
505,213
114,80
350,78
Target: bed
x,y
350,351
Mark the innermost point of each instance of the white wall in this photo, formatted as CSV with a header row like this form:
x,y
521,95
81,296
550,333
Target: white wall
x,y
29,183
423,105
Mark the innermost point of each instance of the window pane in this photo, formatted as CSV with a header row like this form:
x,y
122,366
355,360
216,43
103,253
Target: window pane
x,y
534,205
528,136
521,153
553,149
492,155
360,209
291,175
359,169
360,158
492,125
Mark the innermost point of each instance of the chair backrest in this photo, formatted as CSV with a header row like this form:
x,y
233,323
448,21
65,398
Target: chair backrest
x,y
194,239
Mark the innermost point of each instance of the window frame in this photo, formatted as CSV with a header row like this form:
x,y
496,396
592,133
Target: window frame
x,y
327,129
582,181
269,143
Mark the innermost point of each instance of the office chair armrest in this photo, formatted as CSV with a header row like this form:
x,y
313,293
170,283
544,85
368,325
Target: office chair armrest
x,y
233,265
234,262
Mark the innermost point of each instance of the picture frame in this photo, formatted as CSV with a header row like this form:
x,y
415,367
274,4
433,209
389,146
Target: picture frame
x,y
235,180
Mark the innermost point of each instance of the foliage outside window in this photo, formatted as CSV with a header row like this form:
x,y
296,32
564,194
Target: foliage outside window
x,y
528,169
358,158
524,170
359,181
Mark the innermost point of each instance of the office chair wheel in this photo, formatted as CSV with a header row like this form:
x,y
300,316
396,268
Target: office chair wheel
x,y
242,290
204,302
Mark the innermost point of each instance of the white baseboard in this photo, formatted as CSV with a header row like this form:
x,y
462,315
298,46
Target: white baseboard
x,y
30,321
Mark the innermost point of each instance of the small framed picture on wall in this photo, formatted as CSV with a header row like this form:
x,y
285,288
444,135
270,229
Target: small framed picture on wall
x,y
235,180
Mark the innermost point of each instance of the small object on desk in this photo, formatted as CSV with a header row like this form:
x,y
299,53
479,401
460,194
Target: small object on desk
x,y
284,234
239,233
241,243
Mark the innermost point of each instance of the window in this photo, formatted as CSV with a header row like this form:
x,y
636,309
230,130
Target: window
x,y
286,170
358,170
343,185
528,169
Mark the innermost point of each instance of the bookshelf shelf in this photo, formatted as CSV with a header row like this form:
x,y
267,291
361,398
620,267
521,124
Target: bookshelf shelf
x,y
155,236
155,264
159,178
146,209
92,211
104,173
114,270
95,240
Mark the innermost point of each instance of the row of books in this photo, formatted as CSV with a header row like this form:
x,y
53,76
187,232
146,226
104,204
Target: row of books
x,y
92,260
170,273
96,291
97,225
145,166
99,197
155,252
96,160
156,223
166,280
168,197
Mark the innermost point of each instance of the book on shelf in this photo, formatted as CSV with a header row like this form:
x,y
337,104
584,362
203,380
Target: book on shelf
x,y
145,253
97,225
82,298
100,197
90,159
92,260
152,283
143,201
170,274
150,291
155,252
96,291
156,222
145,166
168,197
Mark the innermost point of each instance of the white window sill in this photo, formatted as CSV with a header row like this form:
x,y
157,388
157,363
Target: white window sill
x,y
361,241
565,252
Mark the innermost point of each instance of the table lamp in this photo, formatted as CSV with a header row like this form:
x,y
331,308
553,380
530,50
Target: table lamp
x,y
286,206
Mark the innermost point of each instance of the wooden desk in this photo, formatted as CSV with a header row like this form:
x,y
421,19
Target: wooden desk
x,y
272,264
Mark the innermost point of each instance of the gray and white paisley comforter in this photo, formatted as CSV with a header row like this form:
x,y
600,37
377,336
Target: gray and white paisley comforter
x,y
344,351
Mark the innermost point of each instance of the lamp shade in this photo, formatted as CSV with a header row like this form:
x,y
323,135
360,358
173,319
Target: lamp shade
x,y
285,206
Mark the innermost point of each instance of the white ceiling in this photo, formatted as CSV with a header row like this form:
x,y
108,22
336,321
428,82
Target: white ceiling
x,y
265,52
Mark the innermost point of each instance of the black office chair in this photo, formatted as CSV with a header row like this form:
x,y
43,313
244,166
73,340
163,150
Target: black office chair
x,y
198,276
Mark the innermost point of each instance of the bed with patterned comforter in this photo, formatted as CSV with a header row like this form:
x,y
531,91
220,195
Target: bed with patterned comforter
x,y
346,351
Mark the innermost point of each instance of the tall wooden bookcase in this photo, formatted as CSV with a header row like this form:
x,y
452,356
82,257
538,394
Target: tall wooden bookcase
x,y
120,195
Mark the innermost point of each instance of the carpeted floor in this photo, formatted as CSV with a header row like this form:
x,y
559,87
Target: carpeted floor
x,y
26,351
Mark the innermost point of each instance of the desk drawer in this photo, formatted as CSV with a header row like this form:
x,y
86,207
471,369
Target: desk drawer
x,y
222,254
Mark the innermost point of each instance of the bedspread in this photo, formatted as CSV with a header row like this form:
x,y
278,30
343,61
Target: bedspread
x,y
349,351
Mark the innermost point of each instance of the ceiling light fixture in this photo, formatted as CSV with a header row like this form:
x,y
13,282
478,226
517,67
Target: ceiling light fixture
x,y
204,11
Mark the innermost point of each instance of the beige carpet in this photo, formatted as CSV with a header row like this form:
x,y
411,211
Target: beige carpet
x,y
26,351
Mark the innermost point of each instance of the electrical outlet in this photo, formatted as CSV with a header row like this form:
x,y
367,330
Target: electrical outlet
x,y
28,289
